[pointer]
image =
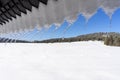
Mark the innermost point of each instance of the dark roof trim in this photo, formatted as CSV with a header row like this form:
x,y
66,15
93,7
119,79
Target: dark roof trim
x,y
11,8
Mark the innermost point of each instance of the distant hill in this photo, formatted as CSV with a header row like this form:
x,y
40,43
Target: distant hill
x,y
111,38
93,36
101,36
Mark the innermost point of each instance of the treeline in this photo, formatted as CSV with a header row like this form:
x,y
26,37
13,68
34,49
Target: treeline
x,y
112,38
73,39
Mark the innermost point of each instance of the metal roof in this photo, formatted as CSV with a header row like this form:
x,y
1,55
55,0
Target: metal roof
x,y
11,8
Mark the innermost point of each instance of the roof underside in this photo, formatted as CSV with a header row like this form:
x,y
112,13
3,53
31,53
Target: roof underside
x,y
11,8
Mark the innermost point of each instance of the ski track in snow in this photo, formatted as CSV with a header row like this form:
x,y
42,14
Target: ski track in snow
x,y
59,61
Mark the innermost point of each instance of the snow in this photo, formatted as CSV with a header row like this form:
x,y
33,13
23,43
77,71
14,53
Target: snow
x,y
59,61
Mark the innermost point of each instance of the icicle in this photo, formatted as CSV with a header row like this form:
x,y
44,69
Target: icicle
x,y
23,21
71,19
34,17
29,20
109,14
109,7
110,24
4,29
57,26
42,17
19,24
16,25
17,36
86,23
58,10
10,27
24,35
42,33
59,13
71,7
34,35
50,13
62,9
88,8
7,28
66,29
0,31
52,34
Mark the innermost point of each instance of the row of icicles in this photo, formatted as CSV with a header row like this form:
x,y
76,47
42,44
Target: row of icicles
x,y
56,11
38,34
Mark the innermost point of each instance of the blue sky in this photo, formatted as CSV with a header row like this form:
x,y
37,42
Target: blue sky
x,y
100,22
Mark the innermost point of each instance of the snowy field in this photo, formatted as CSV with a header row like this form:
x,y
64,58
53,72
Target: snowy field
x,y
59,61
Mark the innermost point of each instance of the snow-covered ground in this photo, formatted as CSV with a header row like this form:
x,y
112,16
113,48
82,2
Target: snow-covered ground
x,y
59,61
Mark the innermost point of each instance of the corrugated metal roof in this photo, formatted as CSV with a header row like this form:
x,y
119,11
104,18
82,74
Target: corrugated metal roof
x,y
11,8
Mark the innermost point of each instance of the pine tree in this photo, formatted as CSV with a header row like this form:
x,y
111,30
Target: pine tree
x,y
106,42
111,40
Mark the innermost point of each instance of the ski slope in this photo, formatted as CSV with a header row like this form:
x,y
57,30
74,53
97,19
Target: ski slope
x,y
59,61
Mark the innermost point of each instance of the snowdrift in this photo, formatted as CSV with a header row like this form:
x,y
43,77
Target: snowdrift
x,y
59,61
